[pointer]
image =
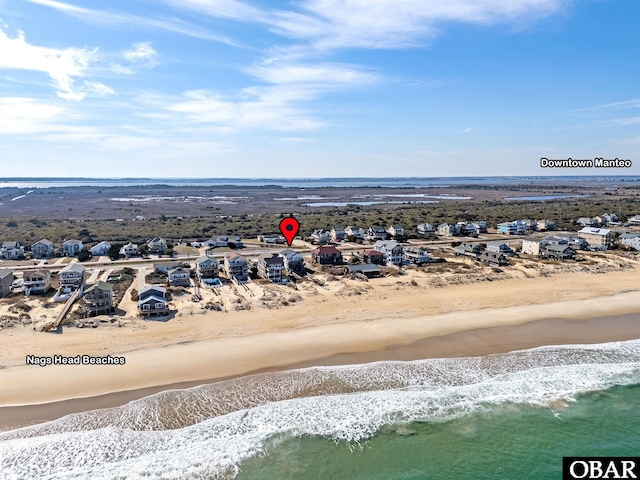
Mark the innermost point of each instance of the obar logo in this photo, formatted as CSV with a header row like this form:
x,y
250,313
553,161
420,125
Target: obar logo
x,y
600,467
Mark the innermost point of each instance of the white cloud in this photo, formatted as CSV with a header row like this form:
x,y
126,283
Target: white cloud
x,y
140,55
26,115
62,65
315,74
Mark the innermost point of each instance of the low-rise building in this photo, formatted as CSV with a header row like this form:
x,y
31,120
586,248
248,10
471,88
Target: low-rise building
x,y
98,299
557,252
396,231
545,225
157,245
165,267
417,256
425,229
375,232
635,220
236,267
270,267
355,232
179,277
597,237
448,229
481,226
588,222
326,255
467,229
373,256
468,249
101,249
516,227
42,249
493,258
630,240
572,240
338,234
293,262
274,238
11,251
129,250
71,277
500,247
321,236
152,301
368,270
71,248
393,252
37,281
207,267
6,280
531,246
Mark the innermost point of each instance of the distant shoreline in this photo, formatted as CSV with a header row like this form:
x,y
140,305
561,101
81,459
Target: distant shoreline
x,y
470,343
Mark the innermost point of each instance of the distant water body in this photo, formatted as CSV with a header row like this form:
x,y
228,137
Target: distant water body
x,y
387,182
505,416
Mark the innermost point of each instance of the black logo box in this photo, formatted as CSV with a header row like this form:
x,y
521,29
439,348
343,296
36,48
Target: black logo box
x,y
589,468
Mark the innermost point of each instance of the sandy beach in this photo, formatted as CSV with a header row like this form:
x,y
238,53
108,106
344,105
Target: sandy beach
x,y
348,321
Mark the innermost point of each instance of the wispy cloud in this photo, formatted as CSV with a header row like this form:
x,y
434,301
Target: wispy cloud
x,y
26,115
140,55
62,65
127,20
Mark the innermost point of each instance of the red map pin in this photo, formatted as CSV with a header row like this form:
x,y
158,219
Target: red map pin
x,y
289,227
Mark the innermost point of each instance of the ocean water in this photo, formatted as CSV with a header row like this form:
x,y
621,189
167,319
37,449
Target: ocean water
x,y
505,416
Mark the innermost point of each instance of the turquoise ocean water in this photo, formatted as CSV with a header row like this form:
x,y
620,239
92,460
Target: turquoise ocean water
x,y
505,416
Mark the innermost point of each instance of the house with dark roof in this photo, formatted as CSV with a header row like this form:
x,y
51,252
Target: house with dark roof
x,y
152,301
270,267
468,249
557,251
375,232
369,270
98,298
293,262
373,256
11,251
493,258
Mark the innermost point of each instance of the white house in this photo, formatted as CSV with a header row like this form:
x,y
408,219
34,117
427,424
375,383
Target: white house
x,y
11,251
270,267
635,220
546,225
500,247
396,231
355,232
321,236
71,277
236,267
293,261
337,234
392,251
448,229
375,232
100,249
425,228
179,277
42,249
157,245
632,240
531,246
71,248
417,256
129,250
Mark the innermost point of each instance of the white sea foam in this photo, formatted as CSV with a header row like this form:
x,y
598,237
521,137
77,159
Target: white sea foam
x,y
383,393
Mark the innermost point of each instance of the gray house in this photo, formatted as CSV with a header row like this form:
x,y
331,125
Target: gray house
x,y
6,279
42,249
98,298
207,267
153,301
179,277
293,262
631,240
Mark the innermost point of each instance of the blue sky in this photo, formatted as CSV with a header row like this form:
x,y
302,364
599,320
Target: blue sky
x,y
316,88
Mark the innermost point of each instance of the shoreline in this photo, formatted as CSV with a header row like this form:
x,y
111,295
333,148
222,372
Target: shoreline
x,y
466,343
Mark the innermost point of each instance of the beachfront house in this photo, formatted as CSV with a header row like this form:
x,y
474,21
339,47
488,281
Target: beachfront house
x,y
635,220
375,232
396,231
373,256
448,229
425,229
71,277
630,240
493,258
531,246
293,262
357,233
42,249
101,249
98,299
152,301
369,270
129,250
516,227
544,225
500,247
468,249
6,280
11,251
179,277
270,267
71,248
157,245
572,240
338,234
236,267
417,256
207,267
36,281
597,237
557,251
392,251
326,255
